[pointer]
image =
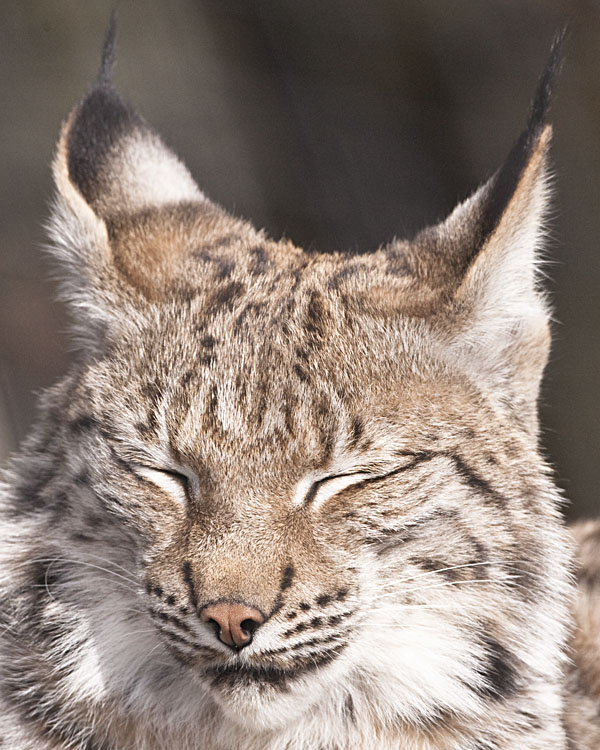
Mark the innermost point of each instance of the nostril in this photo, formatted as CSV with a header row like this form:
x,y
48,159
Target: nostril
x,y
216,626
249,626
234,623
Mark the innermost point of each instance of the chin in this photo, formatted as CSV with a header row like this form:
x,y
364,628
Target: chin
x,y
262,706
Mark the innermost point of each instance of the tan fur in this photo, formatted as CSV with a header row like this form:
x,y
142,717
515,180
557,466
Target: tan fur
x,y
345,444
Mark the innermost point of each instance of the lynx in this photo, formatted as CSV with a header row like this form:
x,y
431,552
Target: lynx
x,y
288,500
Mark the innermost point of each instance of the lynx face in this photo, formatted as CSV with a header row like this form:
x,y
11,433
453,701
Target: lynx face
x,y
294,493
257,480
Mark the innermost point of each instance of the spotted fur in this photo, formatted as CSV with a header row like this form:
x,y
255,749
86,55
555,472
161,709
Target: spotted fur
x,y
346,444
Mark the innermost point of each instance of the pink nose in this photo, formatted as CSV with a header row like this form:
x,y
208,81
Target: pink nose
x,y
236,622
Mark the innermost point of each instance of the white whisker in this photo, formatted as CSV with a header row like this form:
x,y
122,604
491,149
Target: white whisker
x,y
440,570
71,561
440,585
110,562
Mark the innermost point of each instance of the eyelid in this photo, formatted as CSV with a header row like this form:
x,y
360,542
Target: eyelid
x,y
174,483
361,477
314,488
318,491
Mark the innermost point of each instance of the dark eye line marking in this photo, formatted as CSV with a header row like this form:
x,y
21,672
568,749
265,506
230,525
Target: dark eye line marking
x,y
128,467
418,456
312,493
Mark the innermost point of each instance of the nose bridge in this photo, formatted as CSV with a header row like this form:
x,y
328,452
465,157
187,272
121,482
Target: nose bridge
x,y
241,564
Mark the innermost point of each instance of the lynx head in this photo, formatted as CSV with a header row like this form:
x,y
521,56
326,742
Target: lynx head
x,y
317,473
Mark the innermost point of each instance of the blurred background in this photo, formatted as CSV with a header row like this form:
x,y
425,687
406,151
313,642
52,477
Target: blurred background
x,y
338,123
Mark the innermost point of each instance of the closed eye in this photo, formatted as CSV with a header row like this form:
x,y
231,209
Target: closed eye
x,y
173,483
323,489
316,493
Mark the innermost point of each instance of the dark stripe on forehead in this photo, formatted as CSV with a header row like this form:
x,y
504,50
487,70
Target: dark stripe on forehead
x,y
315,319
251,310
225,297
260,260
357,429
290,410
348,270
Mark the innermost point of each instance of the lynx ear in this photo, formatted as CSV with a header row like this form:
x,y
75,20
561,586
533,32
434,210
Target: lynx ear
x,y
482,264
127,210
114,158
500,327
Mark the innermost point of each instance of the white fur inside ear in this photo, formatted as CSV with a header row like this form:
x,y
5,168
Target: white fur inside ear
x,y
500,335
502,280
166,481
143,172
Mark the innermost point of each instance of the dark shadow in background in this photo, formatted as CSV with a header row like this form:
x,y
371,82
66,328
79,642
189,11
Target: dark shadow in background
x,y
339,124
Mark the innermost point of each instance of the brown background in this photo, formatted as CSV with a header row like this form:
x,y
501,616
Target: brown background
x,y
338,123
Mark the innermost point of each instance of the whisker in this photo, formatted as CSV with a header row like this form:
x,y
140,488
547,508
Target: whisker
x,y
53,560
418,589
396,620
135,611
145,659
110,562
491,581
46,580
8,627
81,562
508,579
82,581
137,632
440,570
496,563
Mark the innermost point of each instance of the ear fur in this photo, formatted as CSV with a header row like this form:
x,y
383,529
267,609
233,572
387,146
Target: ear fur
x,y
114,178
474,276
117,162
114,158
500,322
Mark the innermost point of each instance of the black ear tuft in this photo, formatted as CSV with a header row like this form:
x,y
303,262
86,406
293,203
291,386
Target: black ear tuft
x,y
108,52
113,158
467,231
98,123
543,96
503,184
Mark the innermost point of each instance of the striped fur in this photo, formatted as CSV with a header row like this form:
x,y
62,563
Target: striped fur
x,y
346,444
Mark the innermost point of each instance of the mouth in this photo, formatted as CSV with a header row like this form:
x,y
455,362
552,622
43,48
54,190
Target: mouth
x,y
245,676
242,675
